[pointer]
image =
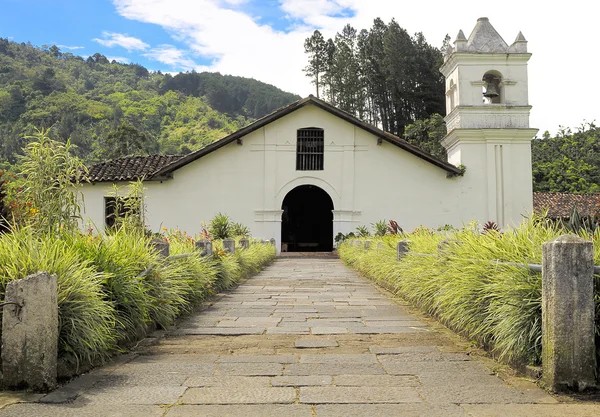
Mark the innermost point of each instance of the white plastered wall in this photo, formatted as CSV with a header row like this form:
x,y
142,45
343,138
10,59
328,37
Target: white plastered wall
x,y
366,181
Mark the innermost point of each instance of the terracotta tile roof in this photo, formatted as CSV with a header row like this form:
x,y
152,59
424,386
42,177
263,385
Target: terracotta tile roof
x,y
560,205
130,168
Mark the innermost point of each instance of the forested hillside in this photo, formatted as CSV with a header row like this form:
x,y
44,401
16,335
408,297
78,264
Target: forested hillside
x,y
96,103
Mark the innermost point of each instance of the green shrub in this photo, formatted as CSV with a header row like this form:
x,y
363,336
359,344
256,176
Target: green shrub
x,y
380,228
220,226
239,230
494,303
362,231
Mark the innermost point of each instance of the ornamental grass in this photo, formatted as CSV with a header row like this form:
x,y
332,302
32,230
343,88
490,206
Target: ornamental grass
x,y
469,286
114,288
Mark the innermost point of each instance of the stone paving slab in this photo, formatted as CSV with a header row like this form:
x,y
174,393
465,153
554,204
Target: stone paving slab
x,y
84,410
289,330
263,410
340,359
389,410
258,359
222,331
328,330
379,350
301,381
239,395
352,395
138,395
250,369
376,381
333,369
228,381
533,410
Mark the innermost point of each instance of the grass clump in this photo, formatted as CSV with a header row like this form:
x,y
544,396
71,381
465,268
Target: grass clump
x,y
476,286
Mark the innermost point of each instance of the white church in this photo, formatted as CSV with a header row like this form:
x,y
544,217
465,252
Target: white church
x,y
309,170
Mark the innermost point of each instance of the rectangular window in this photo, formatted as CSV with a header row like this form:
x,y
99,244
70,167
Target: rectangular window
x,y
309,149
116,208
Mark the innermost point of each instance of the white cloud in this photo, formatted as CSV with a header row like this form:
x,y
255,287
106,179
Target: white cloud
x,y
130,43
120,59
170,55
237,43
71,48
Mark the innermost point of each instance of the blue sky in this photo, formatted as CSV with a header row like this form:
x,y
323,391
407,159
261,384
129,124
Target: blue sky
x,y
263,39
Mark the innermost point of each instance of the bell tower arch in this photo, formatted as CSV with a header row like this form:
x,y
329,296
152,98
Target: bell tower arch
x,y
487,118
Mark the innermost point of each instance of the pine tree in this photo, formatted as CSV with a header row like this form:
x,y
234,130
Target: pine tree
x,y
315,47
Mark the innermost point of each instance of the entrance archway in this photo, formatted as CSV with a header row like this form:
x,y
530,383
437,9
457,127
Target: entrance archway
x,y
307,220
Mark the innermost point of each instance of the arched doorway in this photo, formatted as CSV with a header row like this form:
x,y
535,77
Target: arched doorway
x,y
307,220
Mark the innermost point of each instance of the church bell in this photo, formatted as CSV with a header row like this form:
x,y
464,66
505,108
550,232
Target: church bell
x,y
491,88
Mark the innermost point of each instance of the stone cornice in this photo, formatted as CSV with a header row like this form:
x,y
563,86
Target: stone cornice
x,y
498,136
469,58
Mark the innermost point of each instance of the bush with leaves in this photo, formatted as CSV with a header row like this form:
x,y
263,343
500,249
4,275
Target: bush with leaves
x,y
362,231
220,226
380,228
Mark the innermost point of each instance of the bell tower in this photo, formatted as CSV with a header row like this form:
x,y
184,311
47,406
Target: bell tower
x,y
487,118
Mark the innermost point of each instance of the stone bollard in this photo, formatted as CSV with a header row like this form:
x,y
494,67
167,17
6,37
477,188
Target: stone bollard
x,y
272,241
367,244
402,249
244,243
205,247
568,348
30,332
161,246
229,245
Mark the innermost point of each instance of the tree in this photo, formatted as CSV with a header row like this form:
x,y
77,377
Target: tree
x,y
567,162
381,75
427,134
315,47
126,140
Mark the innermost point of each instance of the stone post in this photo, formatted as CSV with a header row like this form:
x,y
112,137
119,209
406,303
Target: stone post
x,y
272,242
379,245
568,348
205,247
367,244
30,332
402,249
229,245
244,243
161,246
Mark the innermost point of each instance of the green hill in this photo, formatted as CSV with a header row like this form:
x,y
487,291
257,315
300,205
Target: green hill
x,y
88,99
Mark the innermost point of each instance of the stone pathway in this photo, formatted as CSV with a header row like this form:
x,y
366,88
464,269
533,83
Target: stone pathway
x,y
306,337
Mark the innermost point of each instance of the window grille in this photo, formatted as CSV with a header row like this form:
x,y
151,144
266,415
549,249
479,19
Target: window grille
x,y
309,149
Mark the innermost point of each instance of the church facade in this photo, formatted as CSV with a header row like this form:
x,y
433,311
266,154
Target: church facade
x,y
310,171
